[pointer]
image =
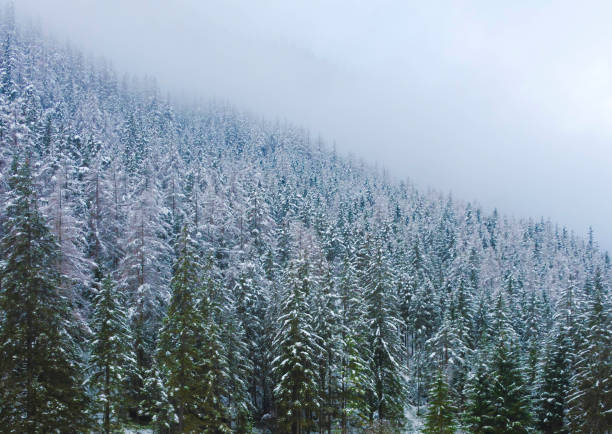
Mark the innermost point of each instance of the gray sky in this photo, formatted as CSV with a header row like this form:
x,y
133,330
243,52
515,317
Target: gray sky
x,y
509,103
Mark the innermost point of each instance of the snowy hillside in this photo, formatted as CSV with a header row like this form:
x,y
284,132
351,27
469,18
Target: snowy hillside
x,y
193,268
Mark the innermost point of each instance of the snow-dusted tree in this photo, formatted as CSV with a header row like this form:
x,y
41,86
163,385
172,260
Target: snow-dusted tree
x,y
258,221
238,366
354,379
40,364
213,362
449,351
8,86
180,352
144,275
551,403
440,417
480,410
553,382
251,305
326,327
155,404
112,358
65,210
386,400
295,366
590,398
509,394
104,221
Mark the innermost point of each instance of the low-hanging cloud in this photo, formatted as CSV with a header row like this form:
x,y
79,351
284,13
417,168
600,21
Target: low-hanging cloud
x,y
509,103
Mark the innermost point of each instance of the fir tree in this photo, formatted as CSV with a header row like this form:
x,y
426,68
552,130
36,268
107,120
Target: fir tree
x,y
551,402
251,300
326,329
295,366
440,415
239,368
111,359
353,380
156,404
591,391
480,410
509,395
180,353
40,366
214,362
387,397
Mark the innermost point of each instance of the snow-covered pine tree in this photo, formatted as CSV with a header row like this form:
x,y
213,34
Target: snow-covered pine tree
x,y
440,417
213,360
155,405
461,316
103,225
509,394
112,358
449,351
295,366
481,322
420,317
531,340
590,398
40,363
553,383
387,398
144,275
179,351
239,367
551,403
480,411
250,299
354,379
66,211
327,329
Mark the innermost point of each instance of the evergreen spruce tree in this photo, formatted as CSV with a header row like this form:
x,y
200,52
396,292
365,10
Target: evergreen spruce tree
x,y
40,364
480,410
353,380
112,358
183,350
239,368
562,350
326,328
251,303
156,404
215,371
295,366
509,395
440,415
448,348
591,390
386,400
461,318
551,402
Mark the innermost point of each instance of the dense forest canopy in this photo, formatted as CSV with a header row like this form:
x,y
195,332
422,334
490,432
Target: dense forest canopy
x,y
193,268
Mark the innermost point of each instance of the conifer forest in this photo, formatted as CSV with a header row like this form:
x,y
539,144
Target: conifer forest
x,y
189,267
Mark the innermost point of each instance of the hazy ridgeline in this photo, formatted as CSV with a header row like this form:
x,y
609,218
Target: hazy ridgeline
x,y
196,269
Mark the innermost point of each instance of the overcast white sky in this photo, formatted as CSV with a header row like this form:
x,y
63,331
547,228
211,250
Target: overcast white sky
x,y
509,103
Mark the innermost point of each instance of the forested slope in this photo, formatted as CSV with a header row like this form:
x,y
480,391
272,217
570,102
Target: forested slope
x,y
193,268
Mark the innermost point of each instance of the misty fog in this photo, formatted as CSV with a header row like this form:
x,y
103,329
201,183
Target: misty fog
x,y
508,104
